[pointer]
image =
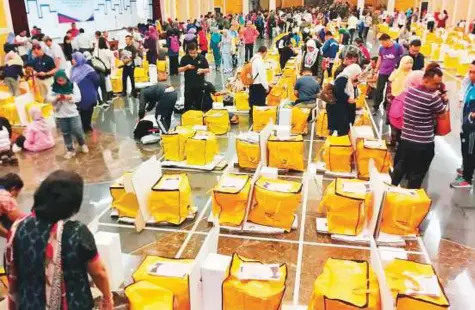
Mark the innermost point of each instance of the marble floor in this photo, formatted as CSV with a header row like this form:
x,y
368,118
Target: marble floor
x,y
448,231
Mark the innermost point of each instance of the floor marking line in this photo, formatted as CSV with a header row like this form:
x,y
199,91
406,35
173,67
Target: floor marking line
x,y
298,273
190,233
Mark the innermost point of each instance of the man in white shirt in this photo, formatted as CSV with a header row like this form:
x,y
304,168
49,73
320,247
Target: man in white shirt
x,y
259,87
82,42
23,43
55,51
352,25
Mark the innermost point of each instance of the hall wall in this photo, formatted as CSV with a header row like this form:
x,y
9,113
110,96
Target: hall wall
x,y
108,15
5,26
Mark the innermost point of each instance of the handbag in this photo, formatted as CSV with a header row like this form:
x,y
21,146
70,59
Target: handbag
x,y
443,126
328,94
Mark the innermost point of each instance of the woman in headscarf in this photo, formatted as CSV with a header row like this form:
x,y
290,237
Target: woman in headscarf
x,y
173,43
50,257
310,57
64,95
216,39
226,50
396,109
189,38
202,41
150,45
88,81
37,136
342,112
13,72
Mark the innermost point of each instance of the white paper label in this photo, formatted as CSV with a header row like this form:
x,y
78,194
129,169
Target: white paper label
x,y
277,187
170,269
170,183
230,182
374,144
253,271
428,286
403,191
357,188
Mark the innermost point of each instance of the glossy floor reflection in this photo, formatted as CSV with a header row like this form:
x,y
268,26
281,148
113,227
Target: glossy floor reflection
x,y
448,230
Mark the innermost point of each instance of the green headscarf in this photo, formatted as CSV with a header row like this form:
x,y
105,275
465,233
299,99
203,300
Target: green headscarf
x,y
65,89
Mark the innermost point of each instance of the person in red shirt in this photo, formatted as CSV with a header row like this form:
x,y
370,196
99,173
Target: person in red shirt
x,y
249,36
74,30
10,187
364,50
202,41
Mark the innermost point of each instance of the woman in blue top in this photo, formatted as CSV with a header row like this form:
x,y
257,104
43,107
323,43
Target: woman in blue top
x,y
88,81
216,39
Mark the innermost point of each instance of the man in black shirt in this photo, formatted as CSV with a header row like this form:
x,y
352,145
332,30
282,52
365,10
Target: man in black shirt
x,y
286,53
128,57
414,52
44,69
195,67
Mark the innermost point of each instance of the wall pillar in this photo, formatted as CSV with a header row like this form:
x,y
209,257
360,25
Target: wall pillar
x,y
245,7
271,5
391,5
470,15
361,4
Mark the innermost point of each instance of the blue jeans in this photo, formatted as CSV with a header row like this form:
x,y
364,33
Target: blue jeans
x,y
71,126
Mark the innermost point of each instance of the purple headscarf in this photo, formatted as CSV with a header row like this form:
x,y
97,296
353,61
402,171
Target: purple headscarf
x,y
81,69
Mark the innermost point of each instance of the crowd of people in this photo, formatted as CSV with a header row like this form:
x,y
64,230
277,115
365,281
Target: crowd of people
x,y
399,79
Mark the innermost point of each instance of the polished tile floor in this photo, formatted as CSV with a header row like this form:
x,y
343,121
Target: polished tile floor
x,y
448,231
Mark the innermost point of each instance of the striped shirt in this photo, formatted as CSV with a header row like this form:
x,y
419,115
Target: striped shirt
x,y
420,108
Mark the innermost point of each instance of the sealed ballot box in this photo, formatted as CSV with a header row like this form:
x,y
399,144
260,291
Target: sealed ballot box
x,y
254,285
376,150
248,150
242,101
346,284
415,286
146,295
169,274
261,116
275,202
286,152
276,95
192,118
230,198
404,210
124,203
174,143
321,124
348,204
364,119
201,148
217,121
170,199
337,154
300,120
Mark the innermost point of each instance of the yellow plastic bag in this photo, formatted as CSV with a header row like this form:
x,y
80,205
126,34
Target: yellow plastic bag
x,y
405,278
201,148
275,95
170,200
321,125
179,286
229,199
346,285
299,120
116,82
242,101
9,111
217,121
347,209
140,75
192,118
363,119
337,153
174,144
144,295
286,154
248,153
375,149
404,210
162,65
360,101
275,202
263,116
125,203
252,294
